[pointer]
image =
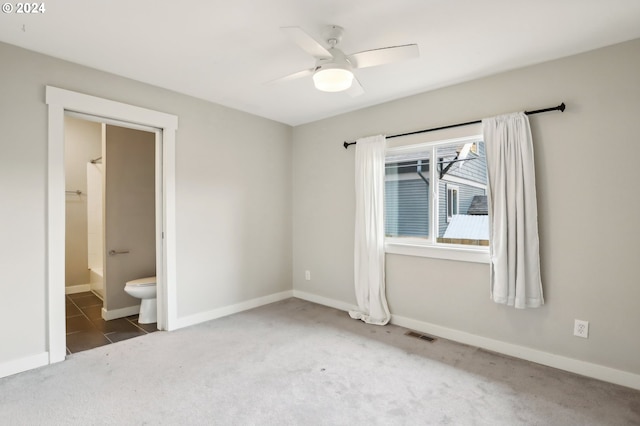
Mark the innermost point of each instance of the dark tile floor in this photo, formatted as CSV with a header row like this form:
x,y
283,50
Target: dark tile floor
x,y
87,330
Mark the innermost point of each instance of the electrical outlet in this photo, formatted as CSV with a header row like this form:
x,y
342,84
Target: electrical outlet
x,y
307,275
581,328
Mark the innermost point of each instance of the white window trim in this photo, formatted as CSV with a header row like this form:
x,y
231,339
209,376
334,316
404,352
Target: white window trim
x,y
440,251
428,247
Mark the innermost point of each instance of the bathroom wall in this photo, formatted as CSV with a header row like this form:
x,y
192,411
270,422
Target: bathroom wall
x,y
129,214
83,142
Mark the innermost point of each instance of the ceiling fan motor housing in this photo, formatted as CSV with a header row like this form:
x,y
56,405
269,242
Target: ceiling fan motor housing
x,y
333,74
338,60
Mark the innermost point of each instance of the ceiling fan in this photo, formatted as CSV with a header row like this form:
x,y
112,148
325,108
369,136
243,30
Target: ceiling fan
x,y
333,71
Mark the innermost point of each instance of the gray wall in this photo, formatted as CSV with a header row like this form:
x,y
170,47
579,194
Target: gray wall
x,y
235,239
584,157
233,195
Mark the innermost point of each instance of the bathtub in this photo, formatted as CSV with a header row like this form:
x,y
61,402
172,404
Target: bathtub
x,y
96,281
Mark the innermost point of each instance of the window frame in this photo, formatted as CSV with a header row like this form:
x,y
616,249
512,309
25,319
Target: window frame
x,y
429,247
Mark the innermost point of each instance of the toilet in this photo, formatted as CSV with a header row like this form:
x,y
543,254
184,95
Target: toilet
x,y
144,289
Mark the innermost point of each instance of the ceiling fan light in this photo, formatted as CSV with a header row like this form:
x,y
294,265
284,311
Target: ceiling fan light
x,y
333,79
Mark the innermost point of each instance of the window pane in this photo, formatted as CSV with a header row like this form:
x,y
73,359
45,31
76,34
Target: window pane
x,y
407,195
462,203
454,201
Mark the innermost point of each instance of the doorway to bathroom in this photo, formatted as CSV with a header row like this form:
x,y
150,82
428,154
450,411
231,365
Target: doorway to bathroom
x,y
61,102
110,229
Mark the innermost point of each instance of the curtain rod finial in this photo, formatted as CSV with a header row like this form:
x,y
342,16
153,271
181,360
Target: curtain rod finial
x,y
562,107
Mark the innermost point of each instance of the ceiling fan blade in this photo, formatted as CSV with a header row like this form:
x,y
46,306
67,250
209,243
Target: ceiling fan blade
x,y
356,88
293,76
306,42
385,55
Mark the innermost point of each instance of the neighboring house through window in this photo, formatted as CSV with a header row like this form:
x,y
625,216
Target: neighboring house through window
x,y
435,195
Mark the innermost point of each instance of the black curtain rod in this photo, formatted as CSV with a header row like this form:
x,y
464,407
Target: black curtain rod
x,y
560,108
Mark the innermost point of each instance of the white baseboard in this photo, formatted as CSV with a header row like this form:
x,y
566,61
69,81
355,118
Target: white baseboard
x,y
80,288
232,309
595,371
120,313
583,368
23,364
325,301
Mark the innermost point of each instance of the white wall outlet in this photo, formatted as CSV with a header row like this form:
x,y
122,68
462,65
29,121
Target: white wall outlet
x,y
581,328
307,275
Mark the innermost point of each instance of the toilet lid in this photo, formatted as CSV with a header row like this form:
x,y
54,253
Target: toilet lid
x,y
141,282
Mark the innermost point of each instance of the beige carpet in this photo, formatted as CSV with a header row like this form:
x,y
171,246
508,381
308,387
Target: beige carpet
x,y
297,363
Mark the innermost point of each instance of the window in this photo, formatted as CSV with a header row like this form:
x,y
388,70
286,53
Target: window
x,y
452,201
435,196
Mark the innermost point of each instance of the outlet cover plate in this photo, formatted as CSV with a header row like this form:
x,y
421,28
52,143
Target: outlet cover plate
x,y
581,328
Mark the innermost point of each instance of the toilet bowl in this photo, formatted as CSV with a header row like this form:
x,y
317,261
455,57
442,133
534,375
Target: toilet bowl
x,y
144,289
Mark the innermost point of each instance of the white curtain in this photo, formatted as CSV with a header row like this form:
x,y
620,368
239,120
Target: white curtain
x,y
513,212
369,232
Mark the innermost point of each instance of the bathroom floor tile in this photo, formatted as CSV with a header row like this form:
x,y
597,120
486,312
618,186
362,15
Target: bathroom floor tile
x,y
93,312
75,296
78,323
86,329
88,300
149,328
119,336
72,310
83,340
116,325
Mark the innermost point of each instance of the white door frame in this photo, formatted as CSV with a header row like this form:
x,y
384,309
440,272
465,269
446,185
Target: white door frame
x,y
59,101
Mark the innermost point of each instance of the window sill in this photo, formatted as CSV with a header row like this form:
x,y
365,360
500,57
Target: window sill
x,y
458,253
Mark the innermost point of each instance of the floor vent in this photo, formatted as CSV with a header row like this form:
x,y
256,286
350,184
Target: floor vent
x,y
419,336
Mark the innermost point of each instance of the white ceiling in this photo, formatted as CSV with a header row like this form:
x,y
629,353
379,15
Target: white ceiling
x,y
225,50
